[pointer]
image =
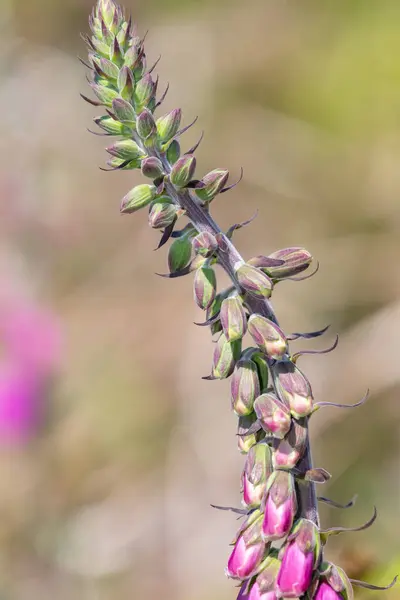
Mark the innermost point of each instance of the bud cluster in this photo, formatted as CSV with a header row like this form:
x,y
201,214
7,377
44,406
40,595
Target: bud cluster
x,y
270,395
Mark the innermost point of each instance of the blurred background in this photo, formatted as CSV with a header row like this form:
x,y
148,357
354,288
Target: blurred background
x,y
112,447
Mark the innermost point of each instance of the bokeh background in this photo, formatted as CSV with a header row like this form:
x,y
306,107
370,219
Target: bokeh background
x,y
111,446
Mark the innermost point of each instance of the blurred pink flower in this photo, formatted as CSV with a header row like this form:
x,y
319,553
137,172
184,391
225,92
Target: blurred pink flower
x,y
30,343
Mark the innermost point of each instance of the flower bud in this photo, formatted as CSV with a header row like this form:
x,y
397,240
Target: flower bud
x,y
161,215
213,310
246,441
295,260
213,182
225,356
152,167
123,110
293,388
253,280
110,125
183,170
334,584
205,244
256,472
280,506
245,387
168,125
268,336
262,367
139,197
266,578
249,549
105,94
205,285
173,152
273,415
144,90
179,254
145,124
126,83
291,449
299,558
233,318
126,149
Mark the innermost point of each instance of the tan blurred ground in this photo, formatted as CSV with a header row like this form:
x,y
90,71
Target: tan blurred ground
x,y
112,499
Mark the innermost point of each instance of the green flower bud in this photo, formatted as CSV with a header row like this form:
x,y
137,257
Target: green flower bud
x,y
183,170
110,125
268,336
205,244
168,125
257,470
295,260
123,111
145,89
139,197
173,152
233,318
179,254
205,285
116,163
125,149
152,167
105,94
162,214
253,280
213,182
145,124
225,356
246,441
126,83
245,387
106,66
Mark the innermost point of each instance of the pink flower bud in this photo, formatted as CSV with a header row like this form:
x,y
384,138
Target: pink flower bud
x,y
293,388
325,592
280,506
255,593
299,558
248,552
291,449
273,415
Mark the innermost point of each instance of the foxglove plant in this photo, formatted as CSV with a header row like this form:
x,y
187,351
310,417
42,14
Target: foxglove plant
x,y
278,550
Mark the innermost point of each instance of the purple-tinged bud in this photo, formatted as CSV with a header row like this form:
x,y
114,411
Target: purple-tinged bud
x,y
253,280
205,244
110,70
168,125
115,52
126,83
295,260
266,578
255,593
268,336
300,557
204,287
144,90
105,94
225,357
334,584
273,415
255,475
245,387
291,449
280,506
179,254
145,124
132,55
152,167
262,367
183,170
246,441
139,197
123,110
213,182
173,152
162,214
233,318
249,550
293,388
125,149
213,311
